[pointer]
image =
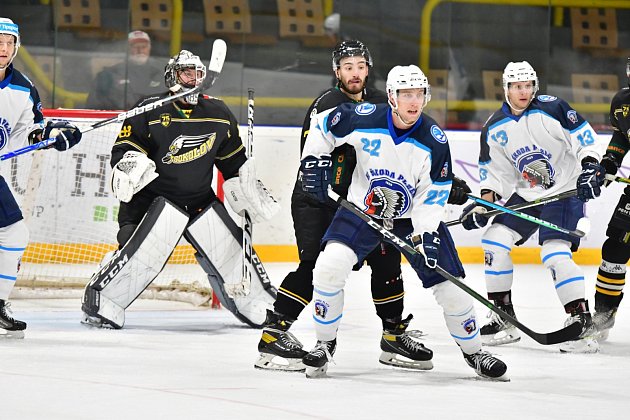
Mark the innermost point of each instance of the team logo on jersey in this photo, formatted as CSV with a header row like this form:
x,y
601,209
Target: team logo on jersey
x,y
572,116
335,119
125,131
536,169
165,119
625,109
387,198
438,134
5,132
444,171
546,98
185,149
321,308
365,108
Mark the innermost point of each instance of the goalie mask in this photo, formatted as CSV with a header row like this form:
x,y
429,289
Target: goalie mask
x,y
185,71
406,77
520,71
7,27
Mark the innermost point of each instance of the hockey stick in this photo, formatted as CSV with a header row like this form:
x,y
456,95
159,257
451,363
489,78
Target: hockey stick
x,y
582,228
567,333
619,179
219,50
525,205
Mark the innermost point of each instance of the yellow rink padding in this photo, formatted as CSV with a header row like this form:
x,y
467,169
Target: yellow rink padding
x,y
42,253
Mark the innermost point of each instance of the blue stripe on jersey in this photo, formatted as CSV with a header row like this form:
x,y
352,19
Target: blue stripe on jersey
x,y
383,131
485,163
498,123
319,321
579,128
10,278
4,248
419,145
22,88
443,183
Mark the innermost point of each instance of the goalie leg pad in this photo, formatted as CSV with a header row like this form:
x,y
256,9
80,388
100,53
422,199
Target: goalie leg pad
x,y
218,241
131,269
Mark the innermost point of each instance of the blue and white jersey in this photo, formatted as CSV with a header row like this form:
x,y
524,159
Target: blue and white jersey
x,y
538,153
398,174
20,110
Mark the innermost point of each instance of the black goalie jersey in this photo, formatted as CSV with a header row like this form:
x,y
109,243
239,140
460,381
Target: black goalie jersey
x,y
185,144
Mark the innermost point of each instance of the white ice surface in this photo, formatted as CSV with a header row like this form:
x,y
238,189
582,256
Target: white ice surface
x,y
174,361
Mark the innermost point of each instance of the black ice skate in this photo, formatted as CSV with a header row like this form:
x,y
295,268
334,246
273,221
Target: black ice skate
x,y
499,331
316,361
487,366
586,341
400,350
279,349
11,326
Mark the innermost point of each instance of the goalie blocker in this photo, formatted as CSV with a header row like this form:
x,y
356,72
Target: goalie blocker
x,y
217,240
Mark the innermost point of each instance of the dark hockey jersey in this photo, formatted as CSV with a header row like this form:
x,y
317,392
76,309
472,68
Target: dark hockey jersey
x,y
343,157
185,146
620,121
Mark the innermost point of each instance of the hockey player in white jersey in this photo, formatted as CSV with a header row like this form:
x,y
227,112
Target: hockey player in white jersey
x,y
534,147
21,121
403,177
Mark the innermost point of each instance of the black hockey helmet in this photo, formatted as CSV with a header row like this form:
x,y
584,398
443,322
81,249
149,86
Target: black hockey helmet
x,y
351,48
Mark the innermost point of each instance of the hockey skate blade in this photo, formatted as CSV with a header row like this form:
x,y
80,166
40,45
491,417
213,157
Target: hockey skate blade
x,y
511,335
18,335
584,346
396,360
268,361
316,372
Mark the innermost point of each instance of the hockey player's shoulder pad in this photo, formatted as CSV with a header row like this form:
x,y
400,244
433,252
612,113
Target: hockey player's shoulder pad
x,y
559,110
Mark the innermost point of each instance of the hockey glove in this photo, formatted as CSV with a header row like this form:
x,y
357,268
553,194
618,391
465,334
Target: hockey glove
x,y
427,244
132,173
66,135
459,192
611,163
316,174
590,180
472,217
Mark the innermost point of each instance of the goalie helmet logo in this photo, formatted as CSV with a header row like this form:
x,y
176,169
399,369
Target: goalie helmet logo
x,y
387,199
536,169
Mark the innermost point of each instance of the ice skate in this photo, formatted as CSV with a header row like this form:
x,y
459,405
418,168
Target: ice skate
x,y
487,366
92,321
603,321
400,350
586,341
279,349
499,331
316,361
9,326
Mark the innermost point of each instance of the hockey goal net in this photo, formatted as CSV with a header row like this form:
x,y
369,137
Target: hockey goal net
x,y
71,214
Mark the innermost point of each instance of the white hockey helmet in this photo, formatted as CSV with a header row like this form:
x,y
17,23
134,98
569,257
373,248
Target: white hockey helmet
x,y
7,27
184,60
520,71
406,77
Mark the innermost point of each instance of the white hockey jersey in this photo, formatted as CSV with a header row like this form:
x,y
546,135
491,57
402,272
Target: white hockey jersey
x,y
20,110
397,175
538,153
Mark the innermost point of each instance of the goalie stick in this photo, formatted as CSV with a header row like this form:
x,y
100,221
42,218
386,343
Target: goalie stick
x,y
219,50
567,333
525,205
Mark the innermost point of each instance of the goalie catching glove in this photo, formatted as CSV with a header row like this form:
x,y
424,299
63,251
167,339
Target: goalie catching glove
x,y
245,192
131,174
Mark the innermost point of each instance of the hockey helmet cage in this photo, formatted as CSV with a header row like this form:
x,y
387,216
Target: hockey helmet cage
x,y
520,71
406,77
8,27
352,48
184,60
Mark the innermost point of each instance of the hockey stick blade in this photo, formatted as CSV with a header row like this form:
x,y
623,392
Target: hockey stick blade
x,y
577,232
567,333
219,50
525,205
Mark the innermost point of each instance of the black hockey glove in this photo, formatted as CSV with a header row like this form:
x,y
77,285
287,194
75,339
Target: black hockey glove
x,y
459,192
429,246
590,180
66,134
472,216
611,163
316,174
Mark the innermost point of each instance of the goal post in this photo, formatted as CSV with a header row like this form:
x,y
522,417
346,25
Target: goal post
x,y
71,214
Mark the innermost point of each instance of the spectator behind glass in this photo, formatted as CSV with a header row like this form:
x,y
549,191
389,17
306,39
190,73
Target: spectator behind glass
x,y
120,86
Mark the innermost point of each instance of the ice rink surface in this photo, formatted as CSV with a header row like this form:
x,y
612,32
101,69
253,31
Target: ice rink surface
x,y
175,361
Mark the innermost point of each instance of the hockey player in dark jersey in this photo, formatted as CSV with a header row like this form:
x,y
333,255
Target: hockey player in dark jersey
x,y
163,162
403,178
611,276
21,120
